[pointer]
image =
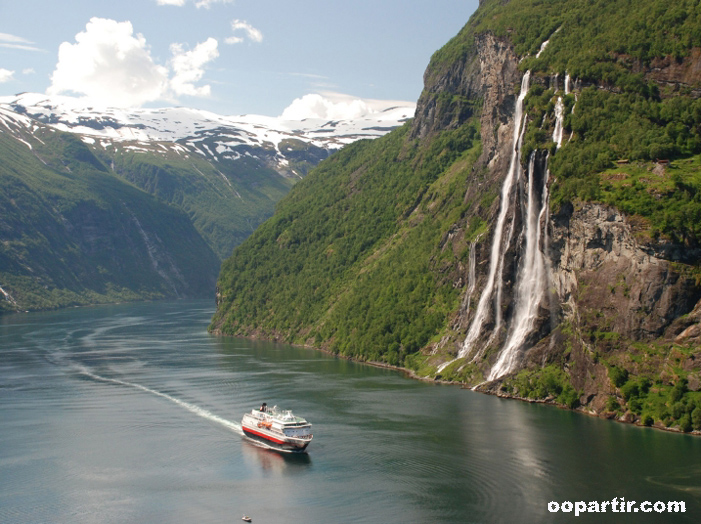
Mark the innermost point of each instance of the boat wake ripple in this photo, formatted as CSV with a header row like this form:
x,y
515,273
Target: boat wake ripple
x,y
192,408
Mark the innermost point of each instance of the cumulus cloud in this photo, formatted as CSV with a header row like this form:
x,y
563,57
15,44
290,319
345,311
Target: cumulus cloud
x,y
241,26
6,75
110,65
188,67
335,107
329,105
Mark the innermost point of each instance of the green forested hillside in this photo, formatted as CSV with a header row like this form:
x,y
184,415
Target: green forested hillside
x,y
354,257
226,199
71,232
371,256
351,258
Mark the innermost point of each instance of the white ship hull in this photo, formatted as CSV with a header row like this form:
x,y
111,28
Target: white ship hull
x,y
281,431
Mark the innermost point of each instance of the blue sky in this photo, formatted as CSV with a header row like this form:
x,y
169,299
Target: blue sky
x,y
226,56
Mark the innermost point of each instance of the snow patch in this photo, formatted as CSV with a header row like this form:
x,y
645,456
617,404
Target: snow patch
x,y
181,124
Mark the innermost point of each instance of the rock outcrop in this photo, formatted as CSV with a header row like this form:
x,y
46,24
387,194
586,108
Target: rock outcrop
x,y
611,291
599,266
481,81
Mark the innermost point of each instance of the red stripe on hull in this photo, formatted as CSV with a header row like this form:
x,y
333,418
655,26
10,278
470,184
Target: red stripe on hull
x,y
265,436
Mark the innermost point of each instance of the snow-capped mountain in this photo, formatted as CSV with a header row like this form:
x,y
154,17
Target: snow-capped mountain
x,y
273,140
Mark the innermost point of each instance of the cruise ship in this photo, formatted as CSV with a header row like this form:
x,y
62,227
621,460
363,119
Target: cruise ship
x,y
277,429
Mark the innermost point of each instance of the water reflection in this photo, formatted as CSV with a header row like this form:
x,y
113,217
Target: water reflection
x,y
274,461
686,480
135,407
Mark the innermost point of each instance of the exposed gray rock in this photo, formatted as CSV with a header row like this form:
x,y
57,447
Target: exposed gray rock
x,y
599,266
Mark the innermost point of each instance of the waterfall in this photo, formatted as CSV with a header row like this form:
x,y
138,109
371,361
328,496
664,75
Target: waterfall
x,y
7,296
471,280
496,255
532,275
559,120
567,92
542,48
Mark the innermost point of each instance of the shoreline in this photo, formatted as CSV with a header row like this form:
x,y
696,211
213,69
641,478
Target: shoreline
x,y
412,375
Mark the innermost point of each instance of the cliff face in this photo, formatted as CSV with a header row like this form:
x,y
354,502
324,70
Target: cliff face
x,y
479,82
600,267
615,297
519,234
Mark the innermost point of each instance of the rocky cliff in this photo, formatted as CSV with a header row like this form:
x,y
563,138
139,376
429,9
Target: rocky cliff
x,y
618,300
531,233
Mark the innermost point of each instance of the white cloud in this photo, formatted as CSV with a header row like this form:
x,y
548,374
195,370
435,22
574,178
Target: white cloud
x,y
207,3
251,32
329,105
6,75
335,107
171,2
16,42
188,67
112,66
6,37
109,65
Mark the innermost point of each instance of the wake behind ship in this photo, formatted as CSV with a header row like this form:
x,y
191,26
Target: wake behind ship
x,y
277,429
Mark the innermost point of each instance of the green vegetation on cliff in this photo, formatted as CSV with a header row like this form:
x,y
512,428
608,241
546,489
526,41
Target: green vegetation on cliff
x,y
368,256
613,141
597,40
351,260
73,233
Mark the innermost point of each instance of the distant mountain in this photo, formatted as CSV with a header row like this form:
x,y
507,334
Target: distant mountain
x,y
73,233
86,176
227,173
534,231
276,142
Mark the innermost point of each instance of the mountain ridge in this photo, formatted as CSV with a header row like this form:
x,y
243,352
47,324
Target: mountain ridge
x,y
222,175
189,129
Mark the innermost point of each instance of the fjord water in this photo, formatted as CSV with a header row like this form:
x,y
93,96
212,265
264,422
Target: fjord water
x,y
131,413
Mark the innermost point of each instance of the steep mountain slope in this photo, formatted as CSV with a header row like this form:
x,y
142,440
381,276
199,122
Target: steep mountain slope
x,y
78,225
532,232
227,173
73,233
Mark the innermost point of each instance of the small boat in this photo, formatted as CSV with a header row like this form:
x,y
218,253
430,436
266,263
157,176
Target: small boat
x,y
246,518
277,429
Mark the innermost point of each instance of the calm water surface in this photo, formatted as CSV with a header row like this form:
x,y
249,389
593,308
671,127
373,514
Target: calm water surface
x,y
131,413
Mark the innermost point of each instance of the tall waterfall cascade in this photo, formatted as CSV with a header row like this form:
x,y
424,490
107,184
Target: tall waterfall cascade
x,y
496,255
532,275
